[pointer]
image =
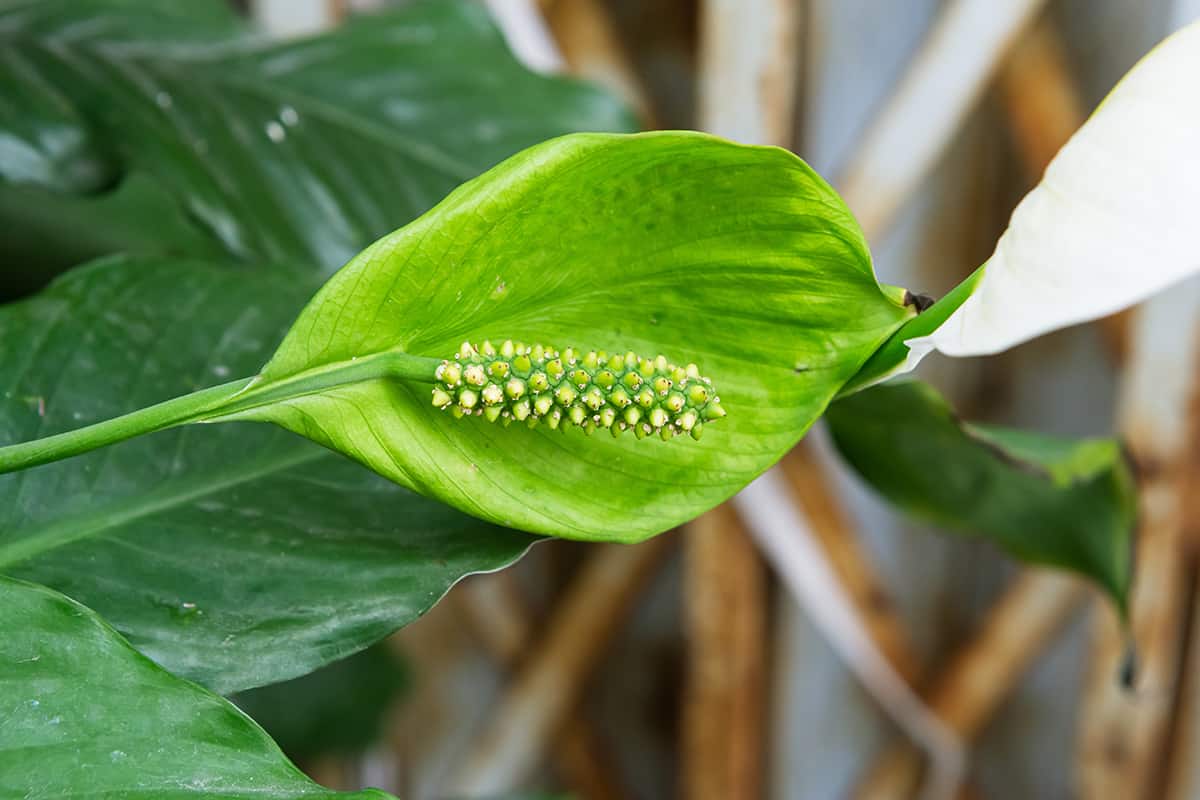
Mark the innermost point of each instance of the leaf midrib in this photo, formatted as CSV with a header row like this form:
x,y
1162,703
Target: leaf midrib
x,y
25,544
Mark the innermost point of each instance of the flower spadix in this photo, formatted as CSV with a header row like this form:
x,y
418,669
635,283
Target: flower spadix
x,y
537,383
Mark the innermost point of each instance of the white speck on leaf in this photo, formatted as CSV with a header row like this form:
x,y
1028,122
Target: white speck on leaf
x,y
275,132
487,131
221,371
164,100
288,116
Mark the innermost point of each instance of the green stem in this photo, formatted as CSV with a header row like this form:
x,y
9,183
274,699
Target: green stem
x,y
894,352
213,404
146,420
400,366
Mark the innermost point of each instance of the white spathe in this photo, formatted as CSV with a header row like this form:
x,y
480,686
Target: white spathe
x,y
1115,219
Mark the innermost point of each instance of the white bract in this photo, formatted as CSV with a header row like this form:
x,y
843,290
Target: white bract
x,y
1115,219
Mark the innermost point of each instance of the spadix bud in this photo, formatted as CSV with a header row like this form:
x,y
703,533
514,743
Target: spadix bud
x,y
588,390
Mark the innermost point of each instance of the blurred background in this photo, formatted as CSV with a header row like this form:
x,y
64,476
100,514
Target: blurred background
x,y
685,667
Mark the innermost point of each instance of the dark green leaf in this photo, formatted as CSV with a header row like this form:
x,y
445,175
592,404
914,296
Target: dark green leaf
x,y
740,259
338,709
87,716
303,151
235,555
1046,500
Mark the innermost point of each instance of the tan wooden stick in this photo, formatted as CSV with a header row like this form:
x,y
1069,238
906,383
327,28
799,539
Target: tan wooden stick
x,y
1183,776
548,686
1122,733
853,565
1043,107
725,619
494,607
593,51
982,673
949,73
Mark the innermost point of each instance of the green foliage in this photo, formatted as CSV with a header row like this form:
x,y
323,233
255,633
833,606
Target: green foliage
x,y
340,709
86,716
739,259
1045,500
301,151
235,555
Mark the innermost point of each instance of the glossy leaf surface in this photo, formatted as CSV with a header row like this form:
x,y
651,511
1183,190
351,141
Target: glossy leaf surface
x,y
301,151
1045,500
87,716
737,258
235,555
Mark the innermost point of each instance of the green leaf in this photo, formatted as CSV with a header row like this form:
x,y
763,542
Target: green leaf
x,y
302,151
338,709
235,555
740,259
1045,500
87,716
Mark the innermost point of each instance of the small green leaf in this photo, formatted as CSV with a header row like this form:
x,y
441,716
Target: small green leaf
x,y
1045,500
235,555
738,259
88,717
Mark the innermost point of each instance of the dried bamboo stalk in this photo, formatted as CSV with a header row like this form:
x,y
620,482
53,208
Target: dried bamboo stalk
x,y
725,622
982,673
967,43
500,618
853,565
1043,106
1183,771
1123,734
548,686
748,69
593,51
791,548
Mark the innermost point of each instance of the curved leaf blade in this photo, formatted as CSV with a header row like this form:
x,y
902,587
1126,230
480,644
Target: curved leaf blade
x,y
302,151
235,555
1045,500
87,716
740,259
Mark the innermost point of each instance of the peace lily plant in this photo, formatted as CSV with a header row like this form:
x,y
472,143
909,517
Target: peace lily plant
x,y
704,302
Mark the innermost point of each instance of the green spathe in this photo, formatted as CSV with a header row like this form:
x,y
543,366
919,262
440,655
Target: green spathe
x,y
740,259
